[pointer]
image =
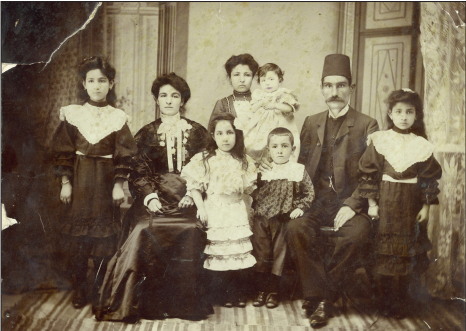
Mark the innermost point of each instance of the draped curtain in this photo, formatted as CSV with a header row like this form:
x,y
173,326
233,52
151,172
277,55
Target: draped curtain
x,y
443,49
31,98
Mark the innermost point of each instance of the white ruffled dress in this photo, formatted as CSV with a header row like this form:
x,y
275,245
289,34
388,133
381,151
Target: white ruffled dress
x,y
229,246
257,126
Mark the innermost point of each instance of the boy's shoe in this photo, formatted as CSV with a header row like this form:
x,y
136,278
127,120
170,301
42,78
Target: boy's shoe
x,y
259,300
272,300
242,301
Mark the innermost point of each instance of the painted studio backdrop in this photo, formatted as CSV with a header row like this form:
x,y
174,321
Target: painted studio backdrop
x,y
391,45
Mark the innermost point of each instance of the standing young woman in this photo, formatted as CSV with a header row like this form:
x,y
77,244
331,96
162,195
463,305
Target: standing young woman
x,y
240,70
93,148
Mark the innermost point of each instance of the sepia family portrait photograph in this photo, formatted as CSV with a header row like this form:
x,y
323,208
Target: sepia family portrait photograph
x,y
233,166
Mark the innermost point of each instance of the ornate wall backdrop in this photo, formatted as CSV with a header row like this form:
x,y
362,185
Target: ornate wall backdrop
x,y
296,36
443,42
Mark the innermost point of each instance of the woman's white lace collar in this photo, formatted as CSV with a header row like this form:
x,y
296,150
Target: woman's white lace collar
x,y
172,125
291,171
173,133
401,150
94,123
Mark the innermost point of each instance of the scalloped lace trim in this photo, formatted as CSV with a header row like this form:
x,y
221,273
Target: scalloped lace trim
x,y
94,123
401,150
230,262
230,247
229,233
294,172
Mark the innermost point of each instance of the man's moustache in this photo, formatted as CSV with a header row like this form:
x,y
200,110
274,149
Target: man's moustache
x,y
334,99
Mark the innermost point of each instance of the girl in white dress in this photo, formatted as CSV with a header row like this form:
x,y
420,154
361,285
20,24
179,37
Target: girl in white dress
x,y
272,106
224,173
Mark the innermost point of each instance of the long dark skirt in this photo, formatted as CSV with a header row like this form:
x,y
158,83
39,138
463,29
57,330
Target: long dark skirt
x,y
401,241
157,271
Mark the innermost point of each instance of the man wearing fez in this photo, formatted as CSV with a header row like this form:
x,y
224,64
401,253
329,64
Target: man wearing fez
x,y
332,143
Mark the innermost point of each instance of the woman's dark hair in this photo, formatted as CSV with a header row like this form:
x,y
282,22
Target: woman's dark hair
x,y
238,151
106,68
413,99
176,82
245,59
270,67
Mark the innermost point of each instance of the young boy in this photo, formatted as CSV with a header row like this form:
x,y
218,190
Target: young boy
x,y
284,193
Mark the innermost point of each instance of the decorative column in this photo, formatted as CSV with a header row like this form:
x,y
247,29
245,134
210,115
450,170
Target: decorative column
x,y
346,29
131,44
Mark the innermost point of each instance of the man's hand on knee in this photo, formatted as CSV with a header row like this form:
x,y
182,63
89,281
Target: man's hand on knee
x,y
344,214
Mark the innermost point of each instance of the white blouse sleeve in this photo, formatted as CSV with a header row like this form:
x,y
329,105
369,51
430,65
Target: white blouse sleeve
x,y
195,174
289,98
250,176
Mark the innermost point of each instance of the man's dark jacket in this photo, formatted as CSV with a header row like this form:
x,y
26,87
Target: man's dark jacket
x,y
350,144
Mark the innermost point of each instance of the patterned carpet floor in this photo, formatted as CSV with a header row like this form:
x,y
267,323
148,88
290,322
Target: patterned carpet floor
x,y
52,310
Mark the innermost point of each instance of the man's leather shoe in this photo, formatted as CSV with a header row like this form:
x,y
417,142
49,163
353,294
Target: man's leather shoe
x,y
272,300
320,315
259,301
79,298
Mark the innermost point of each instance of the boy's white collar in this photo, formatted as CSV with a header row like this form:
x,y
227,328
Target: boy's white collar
x,y
291,171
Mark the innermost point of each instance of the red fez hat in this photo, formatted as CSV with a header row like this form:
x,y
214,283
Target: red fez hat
x,y
337,65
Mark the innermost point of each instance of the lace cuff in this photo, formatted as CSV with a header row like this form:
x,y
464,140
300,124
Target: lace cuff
x,y
369,186
192,184
121,171
150,197
62,170
64,165
290,99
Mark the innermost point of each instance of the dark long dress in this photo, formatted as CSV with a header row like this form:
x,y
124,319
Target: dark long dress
x,y
401,242
227,104
157,270
93,146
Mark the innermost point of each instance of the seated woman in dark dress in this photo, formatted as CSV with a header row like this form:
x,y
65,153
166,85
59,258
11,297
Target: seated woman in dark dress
x,y
157,269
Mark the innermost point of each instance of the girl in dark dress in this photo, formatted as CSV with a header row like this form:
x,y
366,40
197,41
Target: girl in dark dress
x,y
157,270
240,70
93,147
400,172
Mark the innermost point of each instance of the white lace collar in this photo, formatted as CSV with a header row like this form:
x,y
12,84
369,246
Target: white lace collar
x,y
291,171
94,123
167,119
401,150
223,154
174,130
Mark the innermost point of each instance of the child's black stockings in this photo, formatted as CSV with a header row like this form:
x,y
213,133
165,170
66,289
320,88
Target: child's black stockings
x,y
79,266
394,292
267,282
